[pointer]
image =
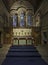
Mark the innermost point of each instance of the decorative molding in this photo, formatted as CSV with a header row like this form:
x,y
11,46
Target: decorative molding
x,y
21,7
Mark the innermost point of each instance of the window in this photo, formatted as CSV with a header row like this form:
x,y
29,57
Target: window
x,y
29,20
22,21
15,20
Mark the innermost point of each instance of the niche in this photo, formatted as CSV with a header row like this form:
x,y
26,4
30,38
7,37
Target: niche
x,y
45,37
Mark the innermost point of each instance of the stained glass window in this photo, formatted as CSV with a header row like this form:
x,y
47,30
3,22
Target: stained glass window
x,y
15,20
22,22
29,20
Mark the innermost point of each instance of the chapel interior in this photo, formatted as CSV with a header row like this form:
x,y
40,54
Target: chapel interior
x,y
24,23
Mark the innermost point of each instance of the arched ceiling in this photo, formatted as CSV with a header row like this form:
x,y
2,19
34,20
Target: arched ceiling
x,y
35,3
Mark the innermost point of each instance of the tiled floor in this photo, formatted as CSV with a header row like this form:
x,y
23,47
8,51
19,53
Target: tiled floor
x,y
43,50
